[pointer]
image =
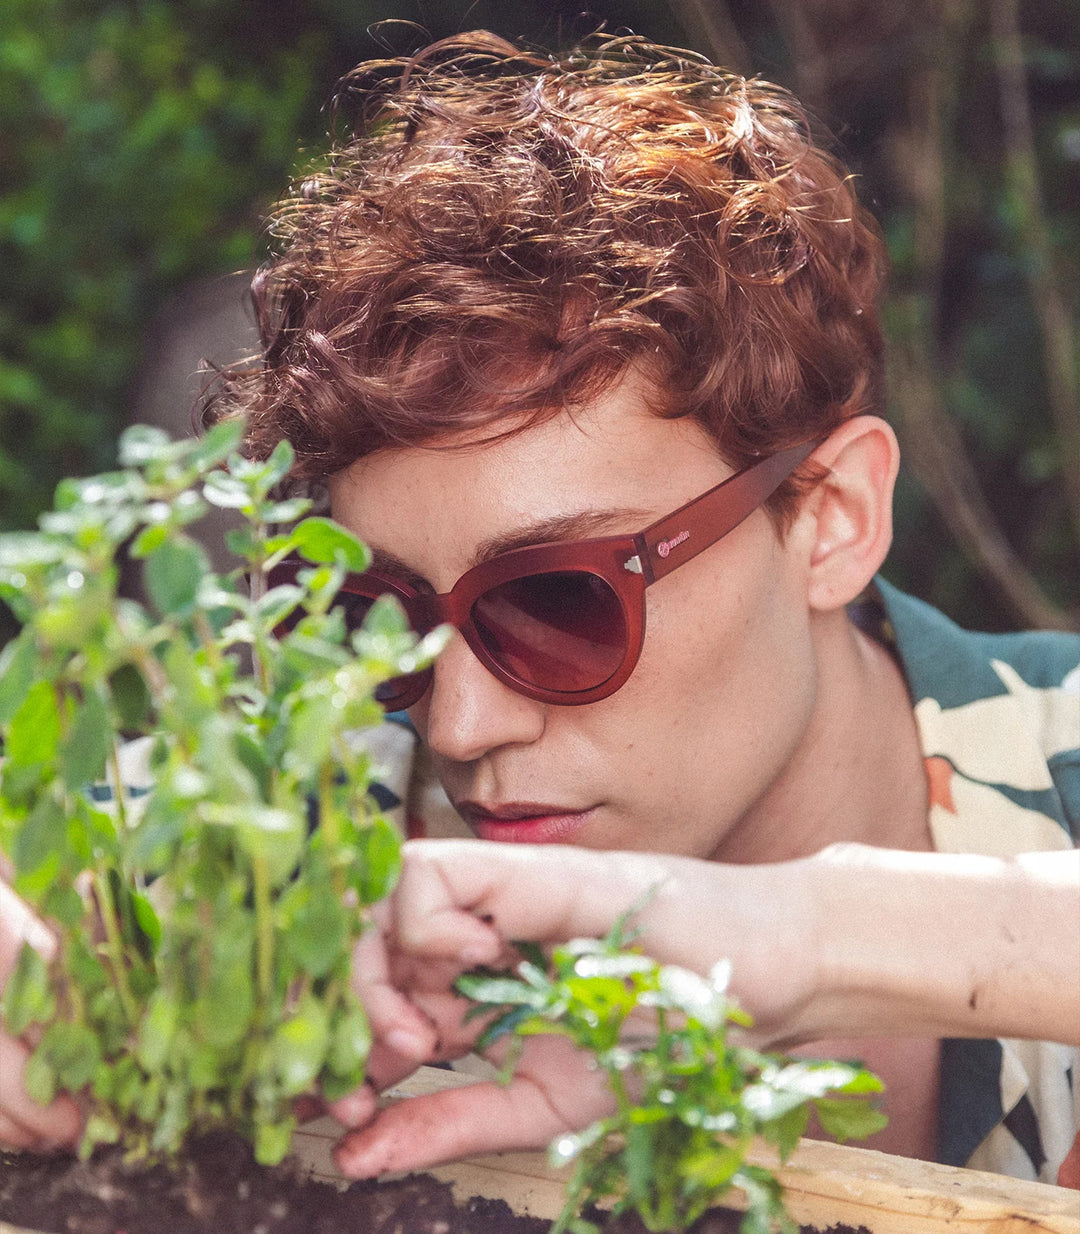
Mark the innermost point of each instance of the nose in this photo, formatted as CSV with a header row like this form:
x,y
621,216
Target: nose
x,y
469,712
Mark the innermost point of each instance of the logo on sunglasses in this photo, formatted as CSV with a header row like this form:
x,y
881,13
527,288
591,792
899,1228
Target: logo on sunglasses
x,y
665,546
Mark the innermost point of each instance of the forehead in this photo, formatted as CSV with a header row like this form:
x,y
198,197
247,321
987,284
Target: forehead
x,y
612,466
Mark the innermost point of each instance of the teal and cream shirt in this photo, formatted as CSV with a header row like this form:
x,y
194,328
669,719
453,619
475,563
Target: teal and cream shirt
x,y
998,716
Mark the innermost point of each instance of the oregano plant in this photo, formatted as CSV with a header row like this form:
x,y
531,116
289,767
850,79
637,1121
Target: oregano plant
x,y
206,922
690,1100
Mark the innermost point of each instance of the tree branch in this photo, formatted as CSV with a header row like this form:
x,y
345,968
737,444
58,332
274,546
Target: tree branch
x,y
1058,339
931,439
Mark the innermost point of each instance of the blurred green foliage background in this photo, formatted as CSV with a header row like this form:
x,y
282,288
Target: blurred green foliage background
x,y
141,143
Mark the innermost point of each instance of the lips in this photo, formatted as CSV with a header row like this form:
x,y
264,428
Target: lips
x,y
524,822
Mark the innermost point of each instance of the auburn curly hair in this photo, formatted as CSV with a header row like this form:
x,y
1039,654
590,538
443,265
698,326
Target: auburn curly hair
x,y
499,235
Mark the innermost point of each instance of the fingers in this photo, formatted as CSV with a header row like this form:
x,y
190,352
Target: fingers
x,y
396,1023
461,899
553,1090
23,1123
424,1131
18,925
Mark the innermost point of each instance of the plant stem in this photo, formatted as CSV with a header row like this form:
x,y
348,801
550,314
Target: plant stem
x,y
114,943
329,825
264,933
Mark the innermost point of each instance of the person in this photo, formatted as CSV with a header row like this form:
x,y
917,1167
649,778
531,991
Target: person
x,y
587,350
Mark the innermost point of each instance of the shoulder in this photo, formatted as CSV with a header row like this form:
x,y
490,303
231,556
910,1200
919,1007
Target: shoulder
x,y
1001,709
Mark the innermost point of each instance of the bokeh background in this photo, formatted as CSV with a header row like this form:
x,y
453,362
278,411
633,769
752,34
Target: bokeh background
x,y
142,142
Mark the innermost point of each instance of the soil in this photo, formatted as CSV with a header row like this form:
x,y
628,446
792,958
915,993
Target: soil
x,y
219,1190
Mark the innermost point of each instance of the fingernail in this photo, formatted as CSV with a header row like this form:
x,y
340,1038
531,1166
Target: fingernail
x,y
401,1041
354,1164
477,953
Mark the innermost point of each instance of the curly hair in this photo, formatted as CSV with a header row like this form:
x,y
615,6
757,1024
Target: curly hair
x,y
500,235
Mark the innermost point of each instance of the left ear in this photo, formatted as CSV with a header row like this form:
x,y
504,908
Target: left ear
x,y
849,512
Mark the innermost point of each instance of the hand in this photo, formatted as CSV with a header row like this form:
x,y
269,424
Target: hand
x,y
853,942
23,1123
458,904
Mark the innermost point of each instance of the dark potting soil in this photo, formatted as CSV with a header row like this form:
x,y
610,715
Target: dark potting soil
x,y
219,1190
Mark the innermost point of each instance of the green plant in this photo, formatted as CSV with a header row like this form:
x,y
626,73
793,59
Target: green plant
x,y
688,1101
206,921
205,927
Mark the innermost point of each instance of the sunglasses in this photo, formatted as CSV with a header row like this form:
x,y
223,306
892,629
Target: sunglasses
x,y
562,623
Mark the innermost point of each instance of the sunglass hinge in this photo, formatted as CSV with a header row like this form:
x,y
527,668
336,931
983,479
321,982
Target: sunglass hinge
x,y
633,564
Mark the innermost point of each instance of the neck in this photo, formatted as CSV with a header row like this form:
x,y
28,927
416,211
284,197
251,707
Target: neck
x,y
857,775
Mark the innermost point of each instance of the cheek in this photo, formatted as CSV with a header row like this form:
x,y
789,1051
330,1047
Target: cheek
x,y
725,685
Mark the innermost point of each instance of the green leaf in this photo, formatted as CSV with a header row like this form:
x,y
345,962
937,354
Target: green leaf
x,y
849,1119
286,511
273,1140
278,603
499,990
385,619
28,997
73,1052
39,1078
323,541
17,668
218,442
226,492
158,1029
766,1103
173,573
814,1078
149,540
143,443
88,742
378,860
42,839
131,698
226,1006
786,1130
299,1047
317,935
715,1167
513,1021
350,1043
639,1160
35,728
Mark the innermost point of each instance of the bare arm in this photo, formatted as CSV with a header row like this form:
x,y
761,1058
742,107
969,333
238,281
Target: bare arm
x,y
854,941
950,944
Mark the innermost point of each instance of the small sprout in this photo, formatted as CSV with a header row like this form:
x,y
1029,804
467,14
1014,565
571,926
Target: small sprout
x,y
679,1143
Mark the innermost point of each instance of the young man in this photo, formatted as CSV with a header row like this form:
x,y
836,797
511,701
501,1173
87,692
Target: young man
x,y
589,350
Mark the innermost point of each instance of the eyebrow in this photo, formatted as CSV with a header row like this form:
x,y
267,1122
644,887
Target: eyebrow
x,y
585,525
582,526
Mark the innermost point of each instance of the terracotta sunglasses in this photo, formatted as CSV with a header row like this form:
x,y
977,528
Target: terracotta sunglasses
x,y
563,623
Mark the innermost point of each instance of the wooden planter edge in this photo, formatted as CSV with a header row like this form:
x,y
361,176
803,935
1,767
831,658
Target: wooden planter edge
x,y
824,1184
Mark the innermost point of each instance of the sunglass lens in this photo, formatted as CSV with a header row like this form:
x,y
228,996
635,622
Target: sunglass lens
x,y
564,631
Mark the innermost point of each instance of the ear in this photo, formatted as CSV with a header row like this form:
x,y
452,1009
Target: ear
x,y
849,512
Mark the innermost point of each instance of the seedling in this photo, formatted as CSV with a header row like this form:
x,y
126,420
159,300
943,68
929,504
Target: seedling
x,y
205,926
689,1101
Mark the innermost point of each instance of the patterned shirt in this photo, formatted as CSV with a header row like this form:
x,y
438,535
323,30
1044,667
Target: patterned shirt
x,y
998,717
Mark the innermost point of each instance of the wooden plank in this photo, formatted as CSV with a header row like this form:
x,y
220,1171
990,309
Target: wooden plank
x,y
825,1184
